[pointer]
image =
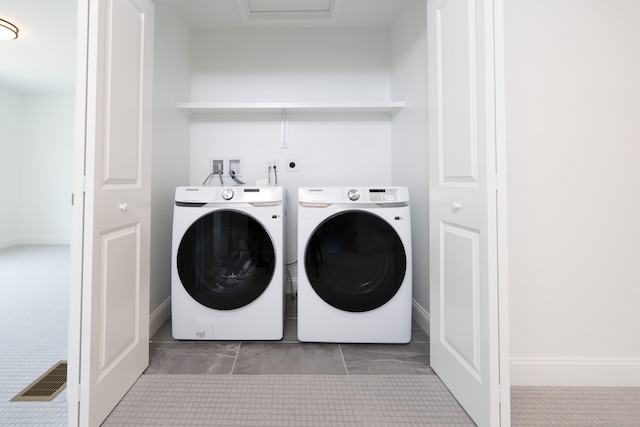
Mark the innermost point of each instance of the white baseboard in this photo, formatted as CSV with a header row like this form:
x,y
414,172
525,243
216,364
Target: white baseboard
x,y
35,240
44,240
600,372
421,316
159,316
7,243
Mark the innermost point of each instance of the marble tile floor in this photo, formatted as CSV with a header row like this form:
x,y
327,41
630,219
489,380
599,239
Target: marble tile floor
x,y
287,356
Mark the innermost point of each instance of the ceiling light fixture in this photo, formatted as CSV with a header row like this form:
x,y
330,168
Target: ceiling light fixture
x,y
8,31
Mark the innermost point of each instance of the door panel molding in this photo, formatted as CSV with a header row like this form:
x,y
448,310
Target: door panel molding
x,y
460,314
454,34
120,302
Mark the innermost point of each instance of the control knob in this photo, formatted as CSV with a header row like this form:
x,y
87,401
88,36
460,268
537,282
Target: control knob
x,y
227,194
353,194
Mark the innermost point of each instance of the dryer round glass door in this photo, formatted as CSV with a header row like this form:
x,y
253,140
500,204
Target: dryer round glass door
x,y
226,260
355,261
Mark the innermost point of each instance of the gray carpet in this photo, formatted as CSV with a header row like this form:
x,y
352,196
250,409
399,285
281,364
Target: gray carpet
x,y
575,406
357,400
34,312
288,400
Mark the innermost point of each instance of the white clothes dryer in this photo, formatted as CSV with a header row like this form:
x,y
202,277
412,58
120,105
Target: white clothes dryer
x,y
227,263
354,265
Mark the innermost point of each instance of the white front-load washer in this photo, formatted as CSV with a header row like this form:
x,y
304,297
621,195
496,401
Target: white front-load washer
x,y
227,263
354,265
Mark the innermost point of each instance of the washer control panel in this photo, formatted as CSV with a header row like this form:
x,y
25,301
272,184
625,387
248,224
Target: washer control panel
x,y
227,194
204,195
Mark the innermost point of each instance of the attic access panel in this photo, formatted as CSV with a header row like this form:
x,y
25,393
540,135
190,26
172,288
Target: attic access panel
x,y
288,12
290,6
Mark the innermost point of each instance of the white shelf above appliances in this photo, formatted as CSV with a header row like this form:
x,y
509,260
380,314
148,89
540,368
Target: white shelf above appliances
x,y
390,107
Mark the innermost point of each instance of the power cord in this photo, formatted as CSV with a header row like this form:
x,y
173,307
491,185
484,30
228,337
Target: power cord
x,y
235,178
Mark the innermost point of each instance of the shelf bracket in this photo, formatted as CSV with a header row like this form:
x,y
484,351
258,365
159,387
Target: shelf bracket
x,y
284,130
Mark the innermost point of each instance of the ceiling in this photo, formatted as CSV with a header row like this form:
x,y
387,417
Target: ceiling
x,y
238,13
42,59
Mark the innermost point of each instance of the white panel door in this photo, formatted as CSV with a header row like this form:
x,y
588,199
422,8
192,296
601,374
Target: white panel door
x,y
114,347
465,344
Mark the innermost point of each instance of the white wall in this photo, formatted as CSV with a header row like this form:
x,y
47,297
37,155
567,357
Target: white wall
x,y
11,111
290,64
409,148
46,178
170,149
310,65
36,167
573,142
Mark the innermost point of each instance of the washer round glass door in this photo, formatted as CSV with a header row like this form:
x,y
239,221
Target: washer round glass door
x,y
355,261
226,260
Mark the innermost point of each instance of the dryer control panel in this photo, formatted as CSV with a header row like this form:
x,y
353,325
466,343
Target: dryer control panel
x,y
353,195
383,194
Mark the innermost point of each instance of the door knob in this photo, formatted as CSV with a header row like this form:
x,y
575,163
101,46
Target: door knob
x,y
456,206
124,206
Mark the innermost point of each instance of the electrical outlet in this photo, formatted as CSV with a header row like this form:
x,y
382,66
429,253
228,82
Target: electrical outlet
x,y
292,165
217,165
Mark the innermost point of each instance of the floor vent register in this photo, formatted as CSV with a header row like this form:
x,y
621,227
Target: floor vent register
x,y
47,386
